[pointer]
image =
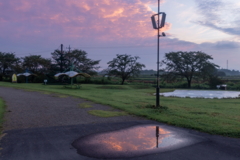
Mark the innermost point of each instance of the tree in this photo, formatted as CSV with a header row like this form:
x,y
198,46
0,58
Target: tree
x,y
36,63
81,62
78,58
8,61
188,65
60,62
221,73
125,66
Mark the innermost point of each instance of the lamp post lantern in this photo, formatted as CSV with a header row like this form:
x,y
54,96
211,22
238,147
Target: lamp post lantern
x,y
157,24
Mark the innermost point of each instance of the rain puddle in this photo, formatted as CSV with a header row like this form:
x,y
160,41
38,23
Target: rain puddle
x,y
131,142
202,94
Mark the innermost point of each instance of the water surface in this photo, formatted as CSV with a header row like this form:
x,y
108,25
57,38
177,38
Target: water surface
x,y
202,94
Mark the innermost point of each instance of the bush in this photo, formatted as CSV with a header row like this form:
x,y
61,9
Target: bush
x,y
6,79
214,81
173,85
233,86
184,85
200,86
21,79
38,79
94,80
51,79
230,84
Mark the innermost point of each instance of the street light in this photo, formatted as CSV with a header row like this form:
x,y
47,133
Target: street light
x,y
155,21
157,24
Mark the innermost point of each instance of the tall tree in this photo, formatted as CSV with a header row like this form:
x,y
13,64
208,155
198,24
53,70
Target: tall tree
x,y
188,65
60,62
36,63
81,62
8,61
125,66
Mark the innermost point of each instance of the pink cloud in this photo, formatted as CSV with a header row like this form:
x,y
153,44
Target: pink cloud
x,y
105,20
166,27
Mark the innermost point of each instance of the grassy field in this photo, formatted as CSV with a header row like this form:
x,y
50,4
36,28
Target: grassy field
x,y
215,116
106,114
2,110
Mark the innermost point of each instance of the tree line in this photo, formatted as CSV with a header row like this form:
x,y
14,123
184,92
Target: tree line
x,y
185,65
123,66
10,63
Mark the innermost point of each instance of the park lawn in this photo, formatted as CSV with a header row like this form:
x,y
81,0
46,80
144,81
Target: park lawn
x,y
2,110
214,116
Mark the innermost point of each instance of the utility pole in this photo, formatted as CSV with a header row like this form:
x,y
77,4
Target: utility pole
x,y
61,59
227,64
69,49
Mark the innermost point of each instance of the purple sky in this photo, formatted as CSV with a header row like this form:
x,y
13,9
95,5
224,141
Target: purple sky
x,y
104,28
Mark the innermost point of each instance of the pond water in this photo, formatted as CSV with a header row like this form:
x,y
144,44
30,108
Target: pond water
x,y
131,142
202,94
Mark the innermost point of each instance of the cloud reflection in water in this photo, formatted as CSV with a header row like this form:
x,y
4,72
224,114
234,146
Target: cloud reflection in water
x,y
134,141
138,138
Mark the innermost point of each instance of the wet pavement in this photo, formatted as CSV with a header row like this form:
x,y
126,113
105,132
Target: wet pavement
x,y
55,143
81,136
202,94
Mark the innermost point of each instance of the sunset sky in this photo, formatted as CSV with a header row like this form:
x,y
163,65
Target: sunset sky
x,y
104,28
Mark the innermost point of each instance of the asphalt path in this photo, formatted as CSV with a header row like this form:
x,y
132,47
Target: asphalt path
x,y
42,126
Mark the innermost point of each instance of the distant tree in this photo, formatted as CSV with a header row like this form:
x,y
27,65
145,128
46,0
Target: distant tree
x,y
214,81
207,71
7,62
60,62
229,72
221,74
36,64
188,65
125,66
211,74
148,72
82,62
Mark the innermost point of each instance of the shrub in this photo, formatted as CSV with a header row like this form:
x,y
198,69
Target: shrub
x,y
21,79
6,79
214,81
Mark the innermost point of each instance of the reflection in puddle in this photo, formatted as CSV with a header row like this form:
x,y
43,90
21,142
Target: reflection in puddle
x,y
135,141
140,138
202,94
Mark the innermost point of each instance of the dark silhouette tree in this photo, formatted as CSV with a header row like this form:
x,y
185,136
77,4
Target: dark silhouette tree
x,y
82,62
8,61
36,64
125,66
60,62
189,65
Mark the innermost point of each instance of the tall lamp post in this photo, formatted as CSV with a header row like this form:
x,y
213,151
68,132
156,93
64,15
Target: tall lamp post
x,y
157,24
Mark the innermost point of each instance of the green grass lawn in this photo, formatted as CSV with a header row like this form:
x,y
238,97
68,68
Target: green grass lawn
x,y
215,116
2,110
101,113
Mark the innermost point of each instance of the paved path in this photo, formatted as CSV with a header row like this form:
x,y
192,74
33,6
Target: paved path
x,y
43,126
29,109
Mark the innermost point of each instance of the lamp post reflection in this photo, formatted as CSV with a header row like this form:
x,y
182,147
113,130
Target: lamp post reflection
x,y
157,135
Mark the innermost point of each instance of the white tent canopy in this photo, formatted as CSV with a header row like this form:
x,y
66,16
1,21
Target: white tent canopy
x,y
71,74
25,74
